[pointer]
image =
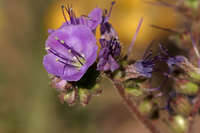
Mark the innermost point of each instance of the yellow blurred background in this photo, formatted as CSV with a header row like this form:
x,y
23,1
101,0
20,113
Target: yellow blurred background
x,y
28,104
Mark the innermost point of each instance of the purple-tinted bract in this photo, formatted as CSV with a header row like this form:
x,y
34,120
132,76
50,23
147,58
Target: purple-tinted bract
x,y
71,51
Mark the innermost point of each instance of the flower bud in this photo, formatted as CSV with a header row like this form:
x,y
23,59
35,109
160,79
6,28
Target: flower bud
x,y
146,108
134,91
192,3
84,96
133,88
186,87
195,75
182,106
189,68
70,97
179,124
96,89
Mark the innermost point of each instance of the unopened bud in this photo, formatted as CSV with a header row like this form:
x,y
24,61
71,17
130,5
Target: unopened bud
x,y
96,89
70,97
179,124
189,68
192,3
133,88
195,75
134,91
84,96
186,87
146,108
182,106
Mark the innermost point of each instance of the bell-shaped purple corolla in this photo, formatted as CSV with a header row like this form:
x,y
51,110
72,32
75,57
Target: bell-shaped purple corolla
x,y
71,50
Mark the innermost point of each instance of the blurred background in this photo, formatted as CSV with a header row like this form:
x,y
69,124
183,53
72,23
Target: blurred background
x,y
28,104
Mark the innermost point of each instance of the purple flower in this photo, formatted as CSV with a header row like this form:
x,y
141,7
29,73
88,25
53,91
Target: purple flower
x,y
175,61
172,61
71,50
110,46
142,68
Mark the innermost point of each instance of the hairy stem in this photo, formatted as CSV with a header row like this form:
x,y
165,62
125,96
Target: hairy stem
x,y
133,108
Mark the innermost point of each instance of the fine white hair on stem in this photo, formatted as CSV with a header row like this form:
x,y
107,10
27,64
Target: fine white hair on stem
x,y
194,44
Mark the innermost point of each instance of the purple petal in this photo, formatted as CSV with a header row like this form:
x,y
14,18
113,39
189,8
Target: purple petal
x,y
80,39
52,66
103,65
113,64
50,31
95,18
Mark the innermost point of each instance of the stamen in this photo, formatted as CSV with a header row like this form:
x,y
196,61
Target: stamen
x,y
71,14
148,56
47,48
163,50
63,12
165,29
59,55
82,55
148,50
75,53
76,56
65,63
56,38
134,37
110,10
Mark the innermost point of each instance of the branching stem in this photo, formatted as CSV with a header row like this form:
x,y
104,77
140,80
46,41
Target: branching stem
x,y
133,109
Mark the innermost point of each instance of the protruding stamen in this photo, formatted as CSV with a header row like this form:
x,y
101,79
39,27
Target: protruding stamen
x,y
134,37
78,59
47,48
59,55
75,53
66,64
110,10
56,38
164,29
62,41
63,7
83,55
71,14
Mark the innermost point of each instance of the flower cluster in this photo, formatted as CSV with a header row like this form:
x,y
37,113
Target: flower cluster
x,y
75,66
